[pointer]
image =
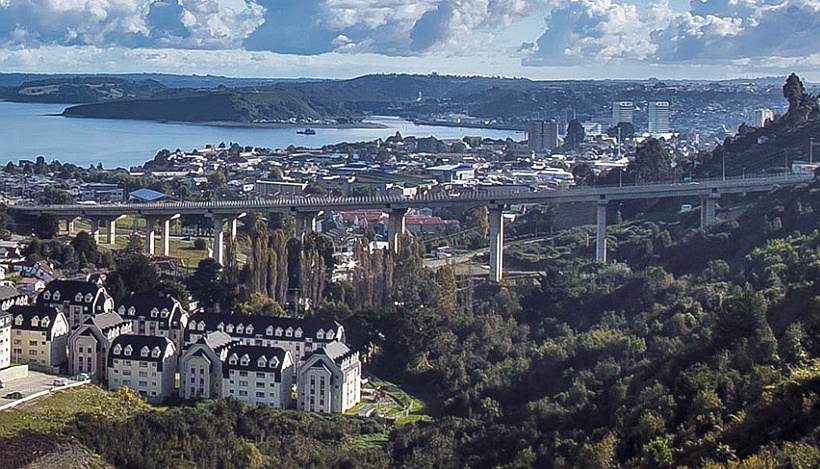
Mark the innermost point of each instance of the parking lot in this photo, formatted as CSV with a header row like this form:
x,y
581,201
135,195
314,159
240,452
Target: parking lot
x,y
34,382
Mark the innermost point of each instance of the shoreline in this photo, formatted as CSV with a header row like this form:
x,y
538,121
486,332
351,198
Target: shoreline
x,y
282,125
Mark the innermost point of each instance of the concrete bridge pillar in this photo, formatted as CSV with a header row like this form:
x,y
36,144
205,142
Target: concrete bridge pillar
x,y
219,240
166,234
306,222
496,219
95,230
396,227
600,232
150,231
708,205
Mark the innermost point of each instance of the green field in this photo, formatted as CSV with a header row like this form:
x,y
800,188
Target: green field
x,y
50,413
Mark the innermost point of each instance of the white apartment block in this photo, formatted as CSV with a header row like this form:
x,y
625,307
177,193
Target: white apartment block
x,y
259,375
89,343
145,364
200,366
622,111
659,117
760,116
5,340
330,380
300,337
77,299
39,337
154,315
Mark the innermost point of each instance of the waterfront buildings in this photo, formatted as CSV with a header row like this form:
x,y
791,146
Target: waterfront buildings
x,y
542,135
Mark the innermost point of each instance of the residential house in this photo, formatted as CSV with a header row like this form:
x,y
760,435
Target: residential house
x,y
200,366
259,375
145,364
89,343
39,337
9,296
35,269
329,380
77,299
155,315
31,286
299,336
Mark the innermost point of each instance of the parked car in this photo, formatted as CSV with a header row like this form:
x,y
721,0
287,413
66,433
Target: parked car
x,y
13,395
2,384
82,377
59,382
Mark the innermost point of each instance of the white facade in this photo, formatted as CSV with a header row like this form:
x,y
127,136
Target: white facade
x,y
659,117
39,337
760,116
147,365
259,375
200,366
330,380
622,111
5,340
88,344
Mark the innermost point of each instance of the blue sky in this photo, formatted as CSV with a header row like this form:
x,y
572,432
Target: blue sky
x,y
540,39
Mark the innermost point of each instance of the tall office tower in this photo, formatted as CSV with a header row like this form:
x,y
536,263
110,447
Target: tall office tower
x,y
542,135
568,115
622,112
760,116
659,117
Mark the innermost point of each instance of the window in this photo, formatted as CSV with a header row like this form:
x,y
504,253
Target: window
x,y
243,373
143,384
269,330
260,394
144,352
243,384
243,393
143,374
240,329
45,322
232,360
143,365
260,384
249,329
126,382
32,352
260,375
32,343
126,372
117,350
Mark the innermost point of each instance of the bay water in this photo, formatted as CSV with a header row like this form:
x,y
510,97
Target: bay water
x,y
31,130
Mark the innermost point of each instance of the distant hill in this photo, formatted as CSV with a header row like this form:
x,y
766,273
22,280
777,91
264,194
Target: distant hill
x,y
81,90
246,105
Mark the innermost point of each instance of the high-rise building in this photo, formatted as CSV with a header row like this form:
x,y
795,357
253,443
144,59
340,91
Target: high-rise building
x,y
760,116
568,115
542,135
659,117
622,112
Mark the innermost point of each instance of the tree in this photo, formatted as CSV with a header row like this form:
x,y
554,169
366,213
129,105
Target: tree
x,y
575,134
627,130
200,244
652,162
46,226
206,286
135,273
85,245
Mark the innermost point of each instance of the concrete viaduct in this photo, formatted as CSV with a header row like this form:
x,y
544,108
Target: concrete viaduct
x,y
306,210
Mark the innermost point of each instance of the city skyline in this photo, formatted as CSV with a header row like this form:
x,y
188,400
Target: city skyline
x,y
538,39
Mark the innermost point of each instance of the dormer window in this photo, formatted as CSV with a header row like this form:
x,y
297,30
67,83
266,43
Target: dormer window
x,y
121,310
279,331
299,332
289,332
128,350
201,326
269,330
240,329
89,298
220,326
56,295
35,321
261,362
249,329
117,349
46,295
154,313
144,352
274,362
329,335
18,321
192,325
245,360
164,313
232,359
78,297
320,334
45,322
132,311
229,328
155,352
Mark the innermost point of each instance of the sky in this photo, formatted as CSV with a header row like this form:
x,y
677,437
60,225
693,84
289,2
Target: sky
x,y
538,39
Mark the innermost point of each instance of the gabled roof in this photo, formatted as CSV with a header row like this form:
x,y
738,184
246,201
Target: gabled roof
x,y
259,359
68,290
7,292
137,343
28,312
142,306
105,321
260,324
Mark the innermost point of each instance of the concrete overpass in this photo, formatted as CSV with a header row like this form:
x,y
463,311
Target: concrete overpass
x,y
496,199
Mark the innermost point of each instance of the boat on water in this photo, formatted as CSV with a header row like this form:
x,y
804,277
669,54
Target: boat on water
x,y
307,131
